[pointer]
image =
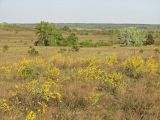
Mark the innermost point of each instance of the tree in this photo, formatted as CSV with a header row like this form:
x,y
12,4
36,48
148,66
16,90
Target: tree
x,y
131,37
73,41
149,39
66,28
43,31
48,35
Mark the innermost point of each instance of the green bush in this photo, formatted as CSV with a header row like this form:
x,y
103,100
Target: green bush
x,y
131,37
90,43
149,39
73,42
27,72
32,51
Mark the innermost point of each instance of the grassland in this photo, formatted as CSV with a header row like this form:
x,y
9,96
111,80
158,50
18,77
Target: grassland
x,y
104,83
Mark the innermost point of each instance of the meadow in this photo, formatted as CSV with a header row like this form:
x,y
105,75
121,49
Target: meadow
x,y
96,83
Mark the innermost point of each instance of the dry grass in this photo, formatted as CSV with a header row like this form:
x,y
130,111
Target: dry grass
x,y
131,99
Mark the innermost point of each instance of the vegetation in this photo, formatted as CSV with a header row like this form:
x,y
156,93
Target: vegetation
x,y
131,37
107,82
64,86
32,51
149,39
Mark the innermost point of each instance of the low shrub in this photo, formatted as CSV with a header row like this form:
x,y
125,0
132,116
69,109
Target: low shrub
x,y
27,72
32,51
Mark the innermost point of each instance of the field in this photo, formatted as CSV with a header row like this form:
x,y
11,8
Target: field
x,y
98,83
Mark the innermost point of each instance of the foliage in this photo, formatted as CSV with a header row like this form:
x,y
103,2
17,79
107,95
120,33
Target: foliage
x,y
90,43
73,41
149,39
32,95
4,106
69,87
31,116
52,72
66,28
92,72
134,66
113,82
32,51
27,72
131,37
111,60
43,31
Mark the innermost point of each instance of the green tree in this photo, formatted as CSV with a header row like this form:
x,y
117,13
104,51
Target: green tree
x,y
44,30
66,28
131,37
149,39
73,41
48,35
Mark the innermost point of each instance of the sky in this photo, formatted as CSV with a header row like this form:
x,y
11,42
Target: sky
x,y
80,11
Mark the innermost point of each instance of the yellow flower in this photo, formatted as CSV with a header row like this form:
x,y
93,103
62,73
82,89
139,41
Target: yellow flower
x,y
92,72
4,105
31,116
152,65
111,60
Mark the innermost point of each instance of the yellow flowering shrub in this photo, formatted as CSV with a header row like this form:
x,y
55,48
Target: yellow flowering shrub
x,y
111,60
31,116
52,72
4,106
152,65
31,94
114,79
134,66
92,72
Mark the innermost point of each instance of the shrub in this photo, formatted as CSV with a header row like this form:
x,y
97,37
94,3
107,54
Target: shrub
x,y
111,60
151,65
31,116
92,72
52,72
113,81
141,51
27,72
131,37
73,41
66,28
149,39
134,66
156,50
32,95
32,51
90,43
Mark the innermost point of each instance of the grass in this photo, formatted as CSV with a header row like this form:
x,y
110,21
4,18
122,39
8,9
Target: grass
x,y
85,84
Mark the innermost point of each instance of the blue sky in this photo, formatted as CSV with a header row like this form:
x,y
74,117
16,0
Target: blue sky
x,y
80,11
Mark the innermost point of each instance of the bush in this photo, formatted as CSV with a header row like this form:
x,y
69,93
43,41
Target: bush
x,y
149,39
35,94
90,43
141,51
32,51
131,37
73,41
134,66
27,72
